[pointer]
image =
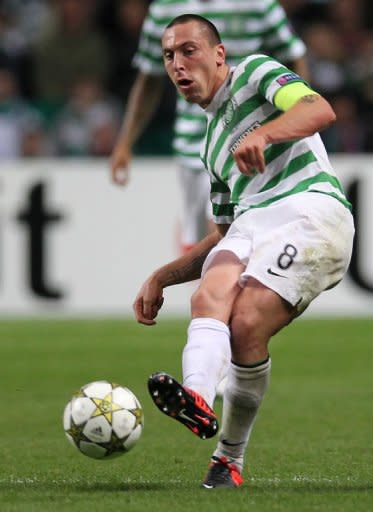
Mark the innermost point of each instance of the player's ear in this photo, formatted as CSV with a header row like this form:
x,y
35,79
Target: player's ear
x,y
220,54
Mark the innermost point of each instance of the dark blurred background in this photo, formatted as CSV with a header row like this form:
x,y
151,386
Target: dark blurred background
x,y
66,71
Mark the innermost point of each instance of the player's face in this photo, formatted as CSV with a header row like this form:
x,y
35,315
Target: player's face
x,y
192,63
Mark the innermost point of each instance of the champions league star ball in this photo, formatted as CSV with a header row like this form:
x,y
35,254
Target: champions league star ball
x,y
103,420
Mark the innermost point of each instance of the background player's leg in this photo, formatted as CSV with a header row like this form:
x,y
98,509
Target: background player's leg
x,y
195,222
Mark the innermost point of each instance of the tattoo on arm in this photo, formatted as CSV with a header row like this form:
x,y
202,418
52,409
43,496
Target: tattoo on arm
x,y
189,267
310,98
189,272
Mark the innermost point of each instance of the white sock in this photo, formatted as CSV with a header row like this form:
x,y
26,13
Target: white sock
x,y
206,356
243,395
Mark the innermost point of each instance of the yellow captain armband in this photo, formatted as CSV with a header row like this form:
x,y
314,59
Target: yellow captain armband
x,y
289,94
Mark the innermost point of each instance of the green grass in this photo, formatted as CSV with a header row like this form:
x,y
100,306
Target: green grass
x,y
311,449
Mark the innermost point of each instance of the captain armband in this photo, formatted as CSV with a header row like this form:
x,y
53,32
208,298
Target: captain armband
x,y
288,95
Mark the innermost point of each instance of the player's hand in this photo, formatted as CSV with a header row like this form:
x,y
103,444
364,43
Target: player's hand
x,y
119,164
148,302
249,155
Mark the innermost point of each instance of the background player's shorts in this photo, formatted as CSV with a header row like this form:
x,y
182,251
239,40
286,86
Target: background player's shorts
x,y
196,204
298,246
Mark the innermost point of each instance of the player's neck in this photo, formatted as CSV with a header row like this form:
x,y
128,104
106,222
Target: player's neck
x,y
220,78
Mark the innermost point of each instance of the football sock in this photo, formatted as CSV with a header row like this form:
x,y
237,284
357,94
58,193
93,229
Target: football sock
x,y
244,392
206,356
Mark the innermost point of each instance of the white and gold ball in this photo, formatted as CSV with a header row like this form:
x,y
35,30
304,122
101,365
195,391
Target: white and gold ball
x,y
103,420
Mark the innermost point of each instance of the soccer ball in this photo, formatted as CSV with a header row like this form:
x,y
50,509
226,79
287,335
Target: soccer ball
x,y
103,420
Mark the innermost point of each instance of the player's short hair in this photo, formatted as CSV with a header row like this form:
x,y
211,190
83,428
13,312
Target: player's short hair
x,y
213,33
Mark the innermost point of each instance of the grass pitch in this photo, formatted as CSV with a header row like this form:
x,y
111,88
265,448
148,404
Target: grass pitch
x,y
311,449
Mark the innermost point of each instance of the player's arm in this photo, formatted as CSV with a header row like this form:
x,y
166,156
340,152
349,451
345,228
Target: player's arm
x,y
301,118
305,112
143,100
187,268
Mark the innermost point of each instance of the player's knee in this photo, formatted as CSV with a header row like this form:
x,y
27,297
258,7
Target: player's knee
x,y
247,329
245,320
206,301
202,302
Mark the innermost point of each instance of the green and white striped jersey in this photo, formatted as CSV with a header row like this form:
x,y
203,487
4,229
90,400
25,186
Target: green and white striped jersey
x,y
242,104
246,27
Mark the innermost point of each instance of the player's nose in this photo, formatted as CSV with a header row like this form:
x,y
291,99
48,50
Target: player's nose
x,y
178,62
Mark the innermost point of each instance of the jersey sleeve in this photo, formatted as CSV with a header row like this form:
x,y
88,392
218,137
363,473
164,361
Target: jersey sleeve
x,y
279,37
149,57
266,75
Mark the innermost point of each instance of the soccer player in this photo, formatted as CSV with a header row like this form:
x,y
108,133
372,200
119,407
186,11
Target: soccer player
x,y
248,26
284,234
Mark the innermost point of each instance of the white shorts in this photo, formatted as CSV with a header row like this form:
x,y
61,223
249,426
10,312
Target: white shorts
x,y
298,246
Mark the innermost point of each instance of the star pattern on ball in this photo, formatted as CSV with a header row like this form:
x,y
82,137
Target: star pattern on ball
x,y
76,432
105,407
116,444
138,415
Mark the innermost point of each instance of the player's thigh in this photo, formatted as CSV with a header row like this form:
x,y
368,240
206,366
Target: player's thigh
x,y
218,287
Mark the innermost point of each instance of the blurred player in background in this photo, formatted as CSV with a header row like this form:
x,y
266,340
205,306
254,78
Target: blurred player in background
x,y
284,234
247,26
